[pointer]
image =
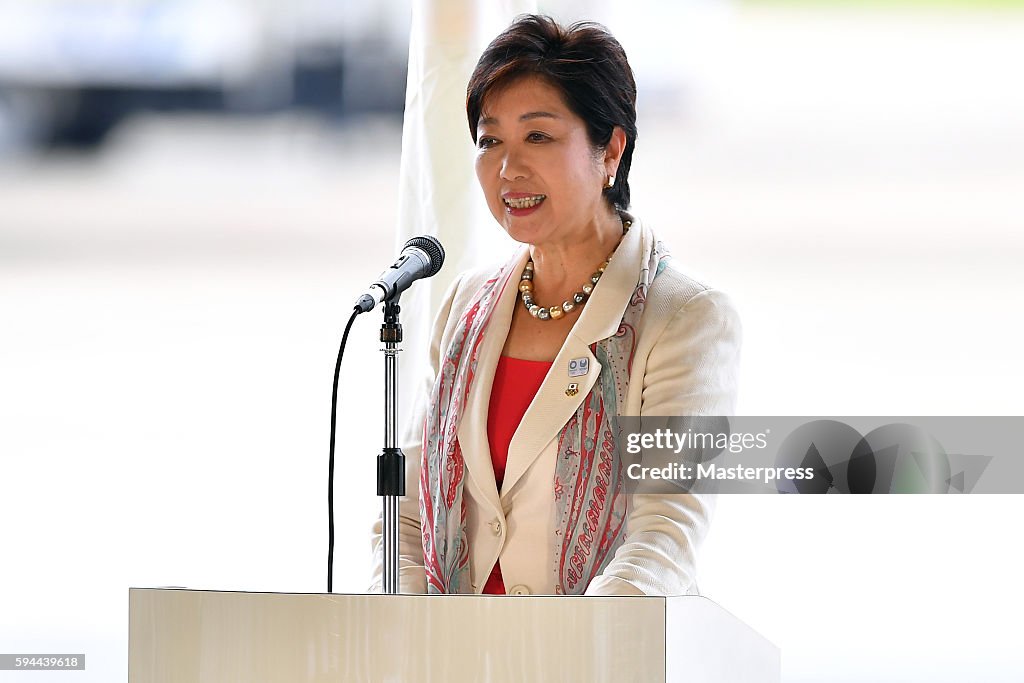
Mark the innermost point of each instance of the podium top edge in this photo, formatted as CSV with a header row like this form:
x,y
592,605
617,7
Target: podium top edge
x,y
184,589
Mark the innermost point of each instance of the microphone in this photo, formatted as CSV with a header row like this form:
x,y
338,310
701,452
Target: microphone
x,y
421,257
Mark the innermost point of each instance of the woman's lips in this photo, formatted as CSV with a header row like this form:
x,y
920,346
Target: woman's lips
x,y
522,204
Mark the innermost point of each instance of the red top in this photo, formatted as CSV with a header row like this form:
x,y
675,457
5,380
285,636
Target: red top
x,y
516,382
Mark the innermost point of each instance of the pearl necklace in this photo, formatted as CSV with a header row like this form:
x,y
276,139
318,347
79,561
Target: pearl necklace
x,y
567,306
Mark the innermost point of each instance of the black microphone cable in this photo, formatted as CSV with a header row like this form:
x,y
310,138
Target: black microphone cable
x,y
330,464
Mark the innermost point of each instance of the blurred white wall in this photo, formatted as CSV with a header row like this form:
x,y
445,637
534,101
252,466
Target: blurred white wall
x,y
170,309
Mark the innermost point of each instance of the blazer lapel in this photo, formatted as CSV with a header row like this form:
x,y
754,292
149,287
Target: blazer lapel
x,y
476,450
555,402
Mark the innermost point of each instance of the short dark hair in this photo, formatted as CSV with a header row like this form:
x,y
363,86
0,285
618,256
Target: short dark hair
x,y
584,62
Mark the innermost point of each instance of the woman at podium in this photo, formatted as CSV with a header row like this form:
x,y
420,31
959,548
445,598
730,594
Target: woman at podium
x,y
513,481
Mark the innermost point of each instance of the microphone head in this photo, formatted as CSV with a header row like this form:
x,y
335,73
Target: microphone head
x,y
432,248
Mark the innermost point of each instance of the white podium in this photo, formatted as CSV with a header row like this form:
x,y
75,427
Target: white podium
x,y
192,636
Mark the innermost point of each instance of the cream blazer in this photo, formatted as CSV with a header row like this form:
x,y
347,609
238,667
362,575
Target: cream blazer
x,y
687,353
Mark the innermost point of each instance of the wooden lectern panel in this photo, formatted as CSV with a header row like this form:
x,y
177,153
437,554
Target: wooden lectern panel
x,y
185,636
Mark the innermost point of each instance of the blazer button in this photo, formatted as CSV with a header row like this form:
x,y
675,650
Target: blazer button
x,y
496,525
519,589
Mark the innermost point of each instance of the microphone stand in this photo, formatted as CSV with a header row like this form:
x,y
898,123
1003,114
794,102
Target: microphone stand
x,y
391,461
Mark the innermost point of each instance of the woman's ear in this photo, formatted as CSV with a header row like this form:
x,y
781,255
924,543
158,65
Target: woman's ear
x,y
613,151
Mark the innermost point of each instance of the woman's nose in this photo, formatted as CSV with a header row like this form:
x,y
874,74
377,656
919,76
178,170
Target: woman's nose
x,y
512,167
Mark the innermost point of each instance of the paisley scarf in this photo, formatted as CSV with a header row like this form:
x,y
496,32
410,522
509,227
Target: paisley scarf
x,y
588,486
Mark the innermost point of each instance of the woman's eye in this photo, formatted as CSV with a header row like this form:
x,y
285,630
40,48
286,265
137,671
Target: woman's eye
x,y
537,137
485,142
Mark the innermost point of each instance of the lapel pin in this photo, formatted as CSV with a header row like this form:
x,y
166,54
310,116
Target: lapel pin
x,y
579,367
572,389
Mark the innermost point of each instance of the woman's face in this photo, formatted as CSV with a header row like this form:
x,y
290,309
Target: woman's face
x,y
540,175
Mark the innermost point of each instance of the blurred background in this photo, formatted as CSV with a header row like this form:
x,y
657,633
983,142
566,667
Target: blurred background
x,y
193,193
